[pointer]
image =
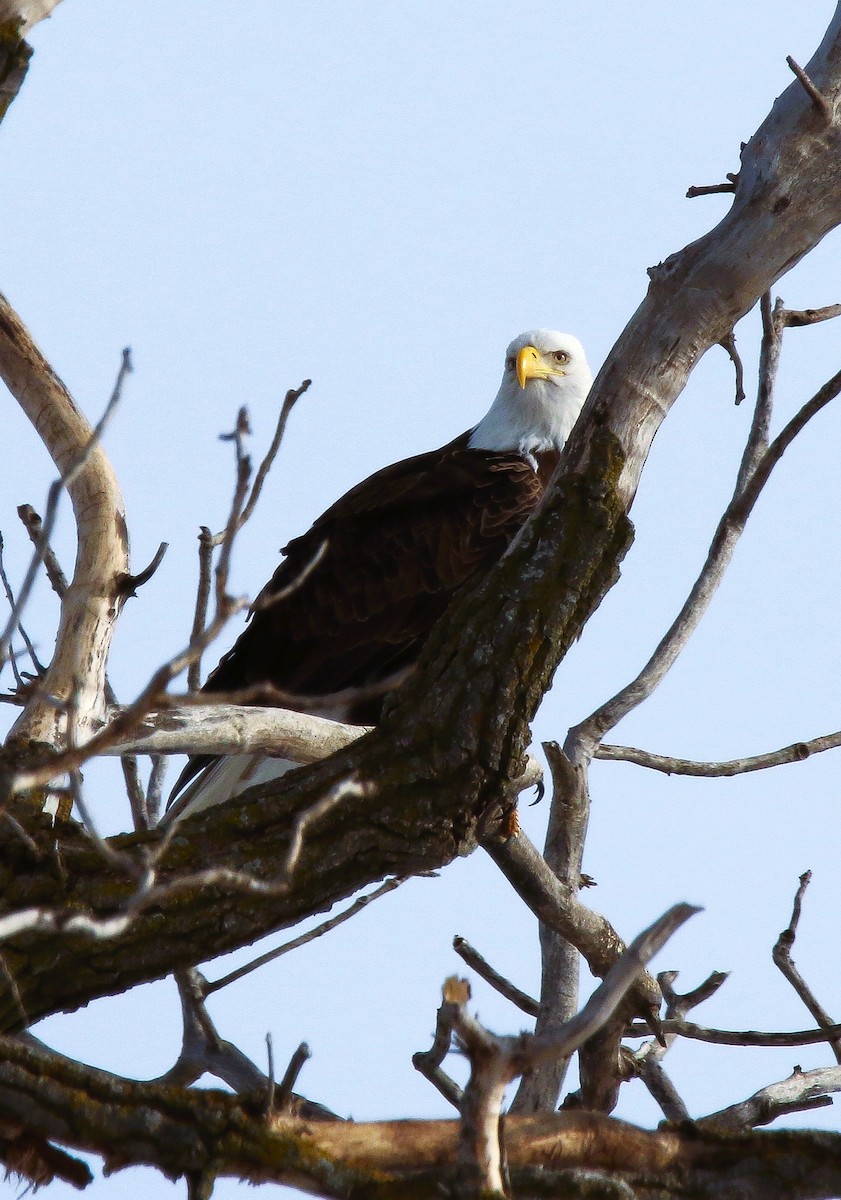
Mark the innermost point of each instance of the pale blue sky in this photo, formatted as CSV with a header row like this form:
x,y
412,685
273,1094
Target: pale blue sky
x,y
380,197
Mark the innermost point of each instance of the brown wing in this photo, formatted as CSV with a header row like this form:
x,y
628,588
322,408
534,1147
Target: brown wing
x,y
388,558
393,551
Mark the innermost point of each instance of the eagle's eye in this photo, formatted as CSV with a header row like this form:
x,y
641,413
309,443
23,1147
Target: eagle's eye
x,y
560,356
510,362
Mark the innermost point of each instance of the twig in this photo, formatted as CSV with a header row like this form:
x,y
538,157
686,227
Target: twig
x,y
291,398
304,938
126,719
796,752
769,362
781,955
346,789
203,1050
270,1088
662,1090
115,858
742,1037
208,542
28,841
679,1004
539,1090
238,436
7,587
134,791
267,599
729,344
149,893
283,1098
34,527
504,986
649,1056
132,583
710,189
820,102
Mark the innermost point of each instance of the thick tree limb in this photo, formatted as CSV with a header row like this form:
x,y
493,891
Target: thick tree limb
x,y
185,1132
90,606
252,729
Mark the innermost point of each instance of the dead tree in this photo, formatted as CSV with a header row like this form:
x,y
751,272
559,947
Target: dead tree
x,y
84,917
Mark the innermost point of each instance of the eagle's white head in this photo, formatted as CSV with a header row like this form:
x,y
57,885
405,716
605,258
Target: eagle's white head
x,y
544,386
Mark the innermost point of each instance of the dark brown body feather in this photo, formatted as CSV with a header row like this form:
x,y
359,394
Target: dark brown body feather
x,y
390,555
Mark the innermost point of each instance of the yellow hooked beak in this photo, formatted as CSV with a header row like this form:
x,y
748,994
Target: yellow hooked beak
x,y
532,365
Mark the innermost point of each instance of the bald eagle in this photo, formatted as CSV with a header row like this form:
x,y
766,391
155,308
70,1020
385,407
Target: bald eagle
x,y
349,608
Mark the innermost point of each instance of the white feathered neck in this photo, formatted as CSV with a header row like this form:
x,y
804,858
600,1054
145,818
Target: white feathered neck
x,y
540,416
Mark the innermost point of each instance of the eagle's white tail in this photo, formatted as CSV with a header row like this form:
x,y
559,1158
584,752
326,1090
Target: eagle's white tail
x,y
225,779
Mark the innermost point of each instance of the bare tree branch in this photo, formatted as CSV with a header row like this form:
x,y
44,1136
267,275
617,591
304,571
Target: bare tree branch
x,y
750,1037
289,402
203,1050
30,649
710,189
303,939
803,1090
34,527
135,792
729,344
181,1132
757,466
495,1061
504,986
208,542
540,1088
235,729
570,804
92,600
649,1057
820,102
781,955
557,906
796,752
